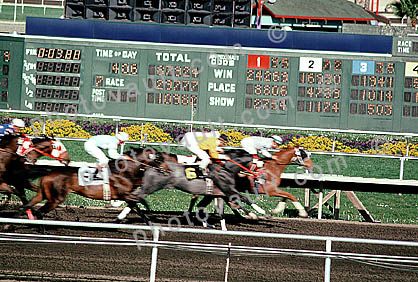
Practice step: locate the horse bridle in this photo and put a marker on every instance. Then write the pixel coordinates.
(299, 159)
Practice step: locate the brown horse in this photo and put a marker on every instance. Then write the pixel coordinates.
(273, 171)
(126, 175)
(10, 164)
(14, 173)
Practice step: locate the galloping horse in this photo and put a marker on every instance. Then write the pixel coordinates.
(14, 153)
(126, 175)
(175, 177)
(11, 168)
(270, 175)
(273, 170)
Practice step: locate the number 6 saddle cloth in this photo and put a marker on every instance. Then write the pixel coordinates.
(193, 172)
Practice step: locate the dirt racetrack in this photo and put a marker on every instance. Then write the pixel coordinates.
(21, 261)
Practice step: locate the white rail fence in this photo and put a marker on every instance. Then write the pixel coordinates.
(409, 263)
(43, 116)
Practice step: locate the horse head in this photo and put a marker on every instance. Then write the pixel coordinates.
(10, 142)
(296, 155)
(44, 146)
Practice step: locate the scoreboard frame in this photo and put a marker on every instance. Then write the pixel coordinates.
(318, 89)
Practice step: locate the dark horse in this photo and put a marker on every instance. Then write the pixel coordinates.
(266, 180)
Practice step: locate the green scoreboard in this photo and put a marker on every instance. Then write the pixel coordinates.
(207, 83)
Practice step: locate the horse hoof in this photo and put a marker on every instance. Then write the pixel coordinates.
(252, 216)
(258, 209)
(116, 203)
(207, 225)
(303, 214)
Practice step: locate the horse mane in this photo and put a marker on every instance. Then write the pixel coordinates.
(134, 151)
(38, 140)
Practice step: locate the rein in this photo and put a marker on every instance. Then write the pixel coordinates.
(43, 153)
(147, 165)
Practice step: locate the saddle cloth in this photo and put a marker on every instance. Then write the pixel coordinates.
(89, 176)
(193, 171)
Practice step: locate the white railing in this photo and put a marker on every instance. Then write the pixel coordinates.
(155, 243)
(34, 3)
(117, 119)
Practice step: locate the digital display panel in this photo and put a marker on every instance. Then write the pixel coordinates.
(372, 93)
(267, 83)
(410, 93)
(115, 78)
(319, 86)
(211, 83)
(52, 74)
(60, 54)
(172, 80)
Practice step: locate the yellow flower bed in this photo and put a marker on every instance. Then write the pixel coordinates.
(234, 137)
(152, 133)
(321, 143)
(58, 128)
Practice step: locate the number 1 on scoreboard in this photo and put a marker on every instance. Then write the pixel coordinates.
(258, 62)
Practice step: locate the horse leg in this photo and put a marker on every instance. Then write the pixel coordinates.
(226, 183)
(282, 204)
(35, 200)
(201, 213)
(193, 203)
(140, 212)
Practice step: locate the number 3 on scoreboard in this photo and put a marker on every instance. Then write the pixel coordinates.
(310, 64)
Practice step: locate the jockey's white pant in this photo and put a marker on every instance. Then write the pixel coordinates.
(101, 159)
(190, 142)
(96, 152)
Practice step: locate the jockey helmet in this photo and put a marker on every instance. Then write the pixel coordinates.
(18, 122)
(277, 139)
(122, 136)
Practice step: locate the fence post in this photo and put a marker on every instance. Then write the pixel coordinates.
(43, 123)
(228, 256)
(333, 144)
(327, 275)
(401, 168)
(154, 255)
(15, 11)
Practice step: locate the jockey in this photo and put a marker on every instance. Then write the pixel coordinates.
(205, 145)
(13, 128)
(256, 145)
(94, 146)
